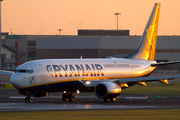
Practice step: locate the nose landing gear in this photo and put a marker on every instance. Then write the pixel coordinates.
(68, 96)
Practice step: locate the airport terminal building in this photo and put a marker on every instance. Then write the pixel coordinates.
(23, 48)
(100, 47)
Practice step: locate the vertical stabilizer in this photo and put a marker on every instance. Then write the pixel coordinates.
(147, 45)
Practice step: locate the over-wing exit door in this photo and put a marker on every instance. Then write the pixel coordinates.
(44, 72)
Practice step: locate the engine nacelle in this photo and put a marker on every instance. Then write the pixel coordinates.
(107, 90)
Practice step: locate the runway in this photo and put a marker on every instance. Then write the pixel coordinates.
(11, 101)
(53, 107)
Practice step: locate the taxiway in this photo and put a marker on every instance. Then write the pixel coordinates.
(10, 100)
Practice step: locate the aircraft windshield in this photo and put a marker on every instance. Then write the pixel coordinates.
(24, 71)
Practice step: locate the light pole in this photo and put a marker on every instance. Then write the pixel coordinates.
(0, 34)
(117, 18)
(60, 30)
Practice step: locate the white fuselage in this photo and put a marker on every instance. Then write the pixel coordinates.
(52, 71)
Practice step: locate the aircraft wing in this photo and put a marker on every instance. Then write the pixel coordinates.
(146, 79)
(9, 73)
(162, 79)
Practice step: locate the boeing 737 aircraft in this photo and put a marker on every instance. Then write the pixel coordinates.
(105, 77)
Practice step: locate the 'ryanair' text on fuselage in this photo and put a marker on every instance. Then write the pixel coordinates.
(83, 69)
(76, 70)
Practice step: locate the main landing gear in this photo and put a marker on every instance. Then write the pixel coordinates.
(28, 100)
(68, 96)
(109, 99)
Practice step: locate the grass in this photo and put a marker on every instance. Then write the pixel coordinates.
(145, 114)
(7, 88)
(155, 88)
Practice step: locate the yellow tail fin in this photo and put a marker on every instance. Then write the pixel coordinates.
(147, 45)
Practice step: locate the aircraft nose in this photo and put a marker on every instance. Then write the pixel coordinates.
(16, 80)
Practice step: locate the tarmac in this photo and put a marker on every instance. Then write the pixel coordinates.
(11, 101)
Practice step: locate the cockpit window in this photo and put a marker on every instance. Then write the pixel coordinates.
(30, 71)
(24, 71)
(16, 71)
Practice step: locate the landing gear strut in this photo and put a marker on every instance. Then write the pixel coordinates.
(106, 99)
(28, 100)
(109, 99)
(113, 99)
(68, 96)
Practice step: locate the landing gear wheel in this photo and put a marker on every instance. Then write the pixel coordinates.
(71, 97)
(113, 99)
(65, 97)
(28, 100)
(106, 99)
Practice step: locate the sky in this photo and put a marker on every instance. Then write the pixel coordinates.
(45, 17)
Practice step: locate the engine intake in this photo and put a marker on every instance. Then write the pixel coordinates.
(107, 89)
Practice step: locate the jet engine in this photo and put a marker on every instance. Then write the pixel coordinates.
(107, 90)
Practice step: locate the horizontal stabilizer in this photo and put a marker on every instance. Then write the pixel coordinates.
(165, 63)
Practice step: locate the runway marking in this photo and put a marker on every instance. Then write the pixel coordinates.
(128, 98)
(136, 98)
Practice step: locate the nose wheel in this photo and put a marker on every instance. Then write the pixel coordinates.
(28, 100)
(68, 96)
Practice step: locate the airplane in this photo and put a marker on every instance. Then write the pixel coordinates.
(106, 77)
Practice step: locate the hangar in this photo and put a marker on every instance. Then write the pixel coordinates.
(31, 47)
(103, 46)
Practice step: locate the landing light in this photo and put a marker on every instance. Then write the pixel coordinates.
(78, 91)
(117, 90)
(64, 91)
(88, 82)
